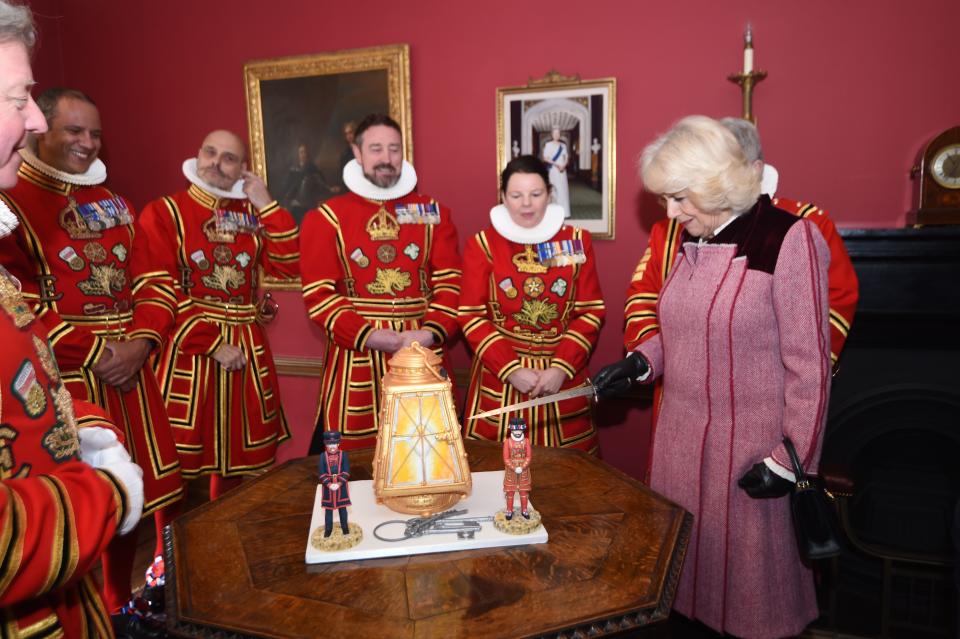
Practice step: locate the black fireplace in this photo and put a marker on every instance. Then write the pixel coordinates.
(894, 426)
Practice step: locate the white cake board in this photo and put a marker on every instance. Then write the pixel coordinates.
(486, 499)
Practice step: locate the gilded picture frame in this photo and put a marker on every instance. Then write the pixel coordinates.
(300, 110)
(582, 161)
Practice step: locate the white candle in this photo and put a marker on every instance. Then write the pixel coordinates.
(748, 50)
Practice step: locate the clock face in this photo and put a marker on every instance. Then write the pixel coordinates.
(945, 167)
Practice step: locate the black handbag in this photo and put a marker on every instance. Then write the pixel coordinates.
(815, 522)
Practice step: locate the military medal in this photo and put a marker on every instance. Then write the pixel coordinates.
(414, 213)
(232, 222)
(105, 214)
(533, 286)
(95, 251)
(222, 254)
(28, 390)
(362, 260)
(69, 255)
(506, 285)
(386, 253)
(200, 259)
(561, 252)
(412, 251)
(559, 287)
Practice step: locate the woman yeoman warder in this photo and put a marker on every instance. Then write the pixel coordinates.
(531, 309)
(744, 353)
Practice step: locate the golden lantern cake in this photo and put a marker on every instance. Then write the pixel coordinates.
(420, 465)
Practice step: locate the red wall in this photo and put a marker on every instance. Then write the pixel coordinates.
(855, 90)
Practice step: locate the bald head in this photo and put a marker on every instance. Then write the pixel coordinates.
(221, 159)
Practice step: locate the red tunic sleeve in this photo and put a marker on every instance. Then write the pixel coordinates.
(281, 255)
(647, 280)
(154, 297)
(54, 527)
(844, 287)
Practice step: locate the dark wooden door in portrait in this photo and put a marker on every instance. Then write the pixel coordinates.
(235, 567)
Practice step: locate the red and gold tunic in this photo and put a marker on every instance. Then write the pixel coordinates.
(518, 313)
(664, 246)
(370, 265)
(87, 268)
(517, 454)
(57, 514)
(228, 423)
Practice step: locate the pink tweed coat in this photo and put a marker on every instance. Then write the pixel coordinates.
(744, 351)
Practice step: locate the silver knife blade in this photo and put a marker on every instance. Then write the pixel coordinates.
(579, 391)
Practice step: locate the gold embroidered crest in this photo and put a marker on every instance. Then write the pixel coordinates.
(73, 223)
(7, 462)
(389, 281)
(224, 278)
(46, 358)
(526, 261)
(63, 404)
(536, 313)
(215, 233)
(61, 442)
(105, 279)
(12, 301)
(383, 226)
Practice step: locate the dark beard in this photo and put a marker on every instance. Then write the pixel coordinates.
(385, 181)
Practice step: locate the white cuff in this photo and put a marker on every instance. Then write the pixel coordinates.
(100, 448)
(779, 470)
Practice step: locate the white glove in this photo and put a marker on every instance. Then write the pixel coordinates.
(100, 448)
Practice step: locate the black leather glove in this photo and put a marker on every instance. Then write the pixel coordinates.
(616, 379)
(762, 483)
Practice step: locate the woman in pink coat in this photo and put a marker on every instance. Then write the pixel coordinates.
(744, 353)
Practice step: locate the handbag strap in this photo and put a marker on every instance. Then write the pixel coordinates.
(794, 459)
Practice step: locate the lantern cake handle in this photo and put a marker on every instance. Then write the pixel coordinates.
(423, 351)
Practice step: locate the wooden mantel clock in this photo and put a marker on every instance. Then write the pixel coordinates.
(937, 180)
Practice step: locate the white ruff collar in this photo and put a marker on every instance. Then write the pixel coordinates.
(551, 223)
(769, 179)
(190, 172)
(96, 174)
(357, 182)
(8, 221)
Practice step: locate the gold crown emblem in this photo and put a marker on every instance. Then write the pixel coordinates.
(383, 226)
(215, 233)
(527, 262)
(73, 223)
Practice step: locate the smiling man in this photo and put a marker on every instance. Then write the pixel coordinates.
(86, 268)
(380, 270)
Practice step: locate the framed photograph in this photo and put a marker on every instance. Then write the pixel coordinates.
(301, 113)
(571, 125)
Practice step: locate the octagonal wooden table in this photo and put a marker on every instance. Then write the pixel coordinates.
(235, 567)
